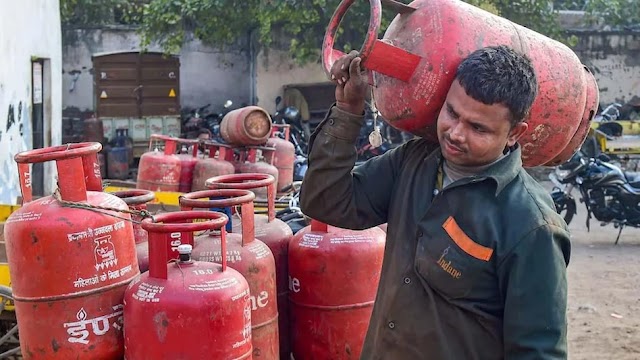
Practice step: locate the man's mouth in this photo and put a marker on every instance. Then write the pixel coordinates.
(453, 147)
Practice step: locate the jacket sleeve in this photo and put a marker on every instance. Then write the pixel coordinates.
(333, 191)
(533, 282)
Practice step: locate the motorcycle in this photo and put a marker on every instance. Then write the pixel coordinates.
(299, 132)
(202, 123)
(213, 120)
(610, 194)
(193, 122)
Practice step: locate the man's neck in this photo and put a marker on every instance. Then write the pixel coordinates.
(453, 172)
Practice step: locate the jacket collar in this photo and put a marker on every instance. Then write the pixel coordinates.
(505, 170)
(502, 172)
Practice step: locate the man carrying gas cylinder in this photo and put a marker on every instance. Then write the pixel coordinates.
(476, 256)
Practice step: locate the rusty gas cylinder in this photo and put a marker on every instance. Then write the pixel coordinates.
(160, 170)
(415, 64)
(93, 129)
(593, 100)
(250, 125)
(333, 279)
(284, 155)
(250, 256)
(137, 200)
(188, 155)
(252, 160)
(69, 265)
(186, 309)
(213, 165)
(276, 234)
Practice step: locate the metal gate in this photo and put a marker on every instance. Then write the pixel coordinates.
(139, 92)
(136, 84)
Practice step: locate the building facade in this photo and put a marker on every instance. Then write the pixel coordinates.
(30, 90)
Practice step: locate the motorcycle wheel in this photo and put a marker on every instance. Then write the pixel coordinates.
(566, 208)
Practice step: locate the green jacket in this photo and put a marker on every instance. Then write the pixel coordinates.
(477, 271)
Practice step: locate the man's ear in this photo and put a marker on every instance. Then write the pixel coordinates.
(516, 133)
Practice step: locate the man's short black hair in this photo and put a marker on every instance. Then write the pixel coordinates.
(500, 75)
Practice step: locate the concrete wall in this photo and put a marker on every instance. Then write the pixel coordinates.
(274, 69)
(28, 29)
(615, 59)
(206, 75)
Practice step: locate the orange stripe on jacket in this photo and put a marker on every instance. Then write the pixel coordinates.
(466, 243)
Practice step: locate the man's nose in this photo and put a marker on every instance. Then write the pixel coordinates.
(457, 132)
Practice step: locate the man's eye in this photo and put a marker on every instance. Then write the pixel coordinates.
(450, 112)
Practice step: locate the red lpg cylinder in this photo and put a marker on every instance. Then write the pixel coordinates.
(415, 64)
(91, 167)
(593, 100)
(188, 160)
(231, 154)
(250, 125)
(211, 166)
(284, 155)
(187, 309)
(250, 162)
(102, 161)
(273, 232)
(333, 279)
(251, 257)
(160, 171)
(137, 200)
(69, 266)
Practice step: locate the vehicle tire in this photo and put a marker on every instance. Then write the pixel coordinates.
(566, 207)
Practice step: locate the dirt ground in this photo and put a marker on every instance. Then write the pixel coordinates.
(604, 291)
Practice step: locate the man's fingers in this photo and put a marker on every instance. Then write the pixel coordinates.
(354, 68)
(337, 72)
(348, 63)
(340, 69)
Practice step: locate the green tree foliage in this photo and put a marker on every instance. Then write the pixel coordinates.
(221, 23)
(620, 13)
(615, 13)
(100, 12)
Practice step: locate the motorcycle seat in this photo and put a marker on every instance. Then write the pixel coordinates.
(632, 176)
(633, 186)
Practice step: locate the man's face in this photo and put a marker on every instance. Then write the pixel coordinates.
(472, 133)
